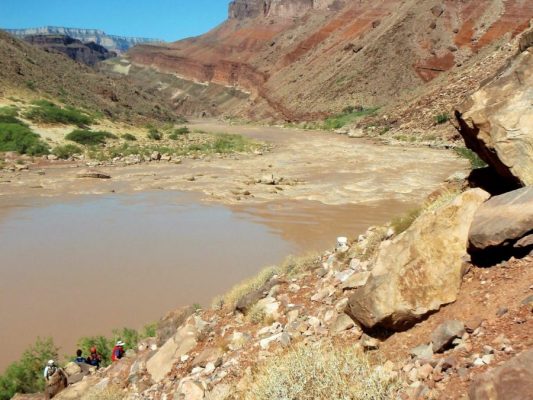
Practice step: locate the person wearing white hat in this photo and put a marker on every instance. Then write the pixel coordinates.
(50, 369)
(118, 351)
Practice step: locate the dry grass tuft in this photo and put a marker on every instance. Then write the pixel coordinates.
(292, 266)
(230, 299)
(323, 371)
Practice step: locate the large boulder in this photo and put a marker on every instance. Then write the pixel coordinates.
(420, 270)
(504, 220)
(512, 381)
(178, 345)
(169, 324)
(497, 121)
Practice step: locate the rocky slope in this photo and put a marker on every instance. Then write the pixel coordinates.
(31, 72)
(302, 59)
(87, 53)
(114, 43)
(442, 306)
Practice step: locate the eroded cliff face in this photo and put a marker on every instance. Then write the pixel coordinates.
(302, 59)
(241, 9)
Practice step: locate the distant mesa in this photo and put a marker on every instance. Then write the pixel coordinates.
(118, 44)
(86, 53)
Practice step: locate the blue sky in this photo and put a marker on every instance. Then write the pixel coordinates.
(162, 19)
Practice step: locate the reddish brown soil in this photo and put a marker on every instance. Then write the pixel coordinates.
(485, 291)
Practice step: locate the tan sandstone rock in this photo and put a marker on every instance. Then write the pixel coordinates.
(178, 345)
(503, 220)
(497, 122)
(420, 270)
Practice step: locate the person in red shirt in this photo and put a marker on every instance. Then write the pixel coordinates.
(118, 351)
(94, 358)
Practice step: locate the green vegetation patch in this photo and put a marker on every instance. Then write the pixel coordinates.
(129, 137)
(87, 137)
(26, 375)
(66, 151)
(154, 134)
(442, 118)
(47, 112)
(17, 136)
(348, 115)
(225, 143)
(403, 222)
(475, 161)
(104, 345)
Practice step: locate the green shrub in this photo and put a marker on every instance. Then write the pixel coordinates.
(322, 371)
(9, 111)
(103, 345)
(228, 143)
(149, 330)
(129, 137)
(154, 134)
(182, 131)
(348, 115)
(19, 137)
(475, 161)
(87, 137)
(26, 375)
(47, 112)
(30, 85)
(66, 151)
(442, 118)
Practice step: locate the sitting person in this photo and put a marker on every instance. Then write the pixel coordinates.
(79, 359)
(94, 358)
(118, 351)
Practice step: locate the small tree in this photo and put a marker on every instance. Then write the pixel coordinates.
(26, 375)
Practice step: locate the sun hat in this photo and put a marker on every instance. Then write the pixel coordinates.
(120, 343)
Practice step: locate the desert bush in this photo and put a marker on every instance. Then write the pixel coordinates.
(66, 151)
(129, 137)
(403, 222)
(475, 161)
(154, 134)
(349, 114)
(149, 330)
(20, 138)
(322, 371)
(26, 375)
(442, 118)
(256, 314)
(231, 298)
(103, 345)
(229, 143)
(87, 137)
(293, 266)
(444, 197)
(9, 115)
(48, 112)
(182, 131)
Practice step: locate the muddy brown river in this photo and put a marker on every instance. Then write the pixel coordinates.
(81, 257)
